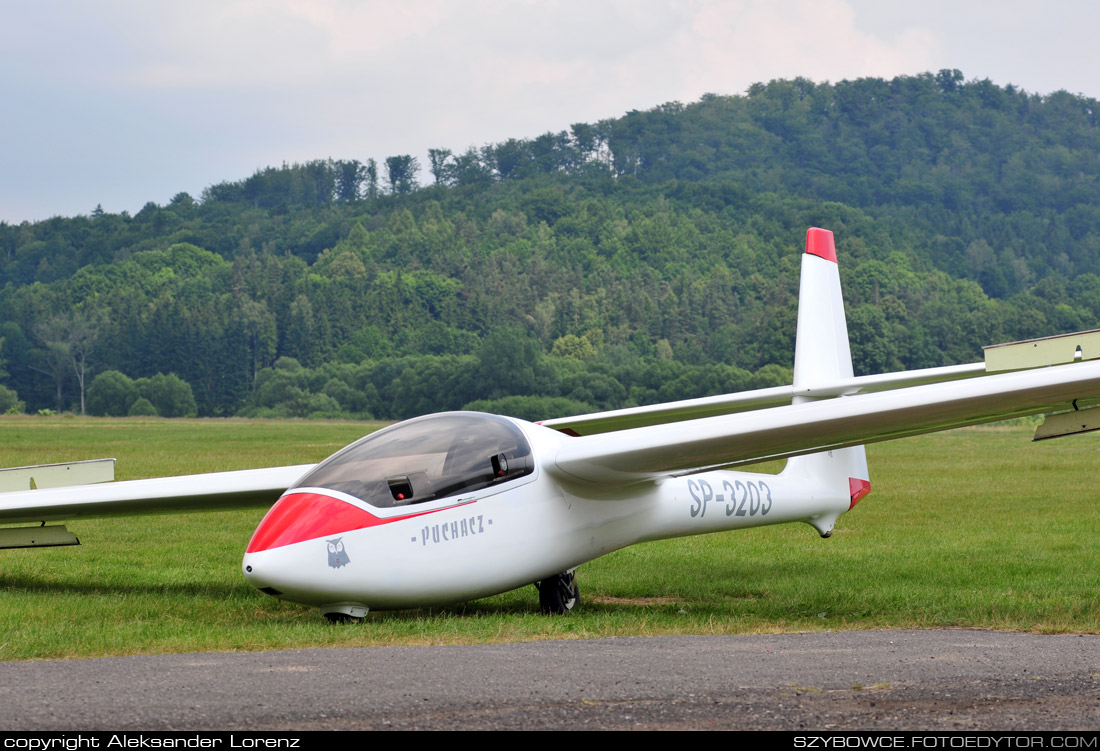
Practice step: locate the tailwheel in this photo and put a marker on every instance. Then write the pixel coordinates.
(559, 593)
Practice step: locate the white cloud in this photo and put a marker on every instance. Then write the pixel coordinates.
(126, 101)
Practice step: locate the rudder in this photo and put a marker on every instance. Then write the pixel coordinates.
(822, 355)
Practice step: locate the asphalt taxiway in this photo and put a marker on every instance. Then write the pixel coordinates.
(890, 680)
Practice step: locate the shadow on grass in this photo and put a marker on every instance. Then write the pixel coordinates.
(471, 610)
(595, 607)
(673, 602)
(516, 603)
(31, 585)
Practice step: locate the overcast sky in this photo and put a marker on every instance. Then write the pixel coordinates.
(120, 102)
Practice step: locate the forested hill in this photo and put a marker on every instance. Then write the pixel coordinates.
(648, 257)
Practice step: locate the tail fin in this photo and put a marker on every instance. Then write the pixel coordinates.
(822, 355)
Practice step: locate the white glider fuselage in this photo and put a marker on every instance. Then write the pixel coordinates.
(525, 529)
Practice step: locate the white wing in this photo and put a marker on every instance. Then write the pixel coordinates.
(248, 488)
(728, 404)
(812, 427)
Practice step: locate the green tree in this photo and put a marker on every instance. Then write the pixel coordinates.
(54, 360)
(299, 335)
(510, 363)
(349, 177)
(531, 408)
(142, 407)
(469, 169)
(253, 335)
(573, 346)
(440, 169)
(370, 175)
(170, 395)
(111, 393)
(9, 402)
(401, 174)
(69, 338)
(874, 348)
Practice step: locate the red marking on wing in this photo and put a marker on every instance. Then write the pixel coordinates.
(306, 516)
(819, 242)
(859, 488)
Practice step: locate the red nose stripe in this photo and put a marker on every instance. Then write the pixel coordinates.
(307, 516)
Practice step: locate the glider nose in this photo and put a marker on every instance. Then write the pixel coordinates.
(279, 563)
(262, 583)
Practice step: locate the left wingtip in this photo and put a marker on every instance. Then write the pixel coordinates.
(819, 242)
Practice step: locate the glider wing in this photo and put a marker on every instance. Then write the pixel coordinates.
(810, 427)
(247, 488)
(728, 404)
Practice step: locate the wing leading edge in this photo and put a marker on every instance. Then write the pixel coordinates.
(248, 488)
(778, 432)
(776, 396)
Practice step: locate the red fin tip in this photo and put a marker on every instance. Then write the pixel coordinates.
(819, 242)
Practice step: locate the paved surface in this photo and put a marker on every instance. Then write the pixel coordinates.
(948, 680)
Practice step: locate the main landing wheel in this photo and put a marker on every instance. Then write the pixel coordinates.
(559, 594)
(344, 612)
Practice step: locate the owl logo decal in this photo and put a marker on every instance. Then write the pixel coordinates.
(337, 556)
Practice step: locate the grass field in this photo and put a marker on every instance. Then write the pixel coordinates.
(975, 528)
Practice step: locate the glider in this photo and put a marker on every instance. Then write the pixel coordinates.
(461, 505)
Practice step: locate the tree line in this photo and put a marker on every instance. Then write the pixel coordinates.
(642, 258)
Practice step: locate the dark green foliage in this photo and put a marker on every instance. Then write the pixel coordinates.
(170, 395)
(510, 363)
(401, 173)
(531, 408)
(646, 258)
(142, 407)
(112, 393)
(10, 403)
(873, 342)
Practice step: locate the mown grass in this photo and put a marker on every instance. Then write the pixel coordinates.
(972, 528)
